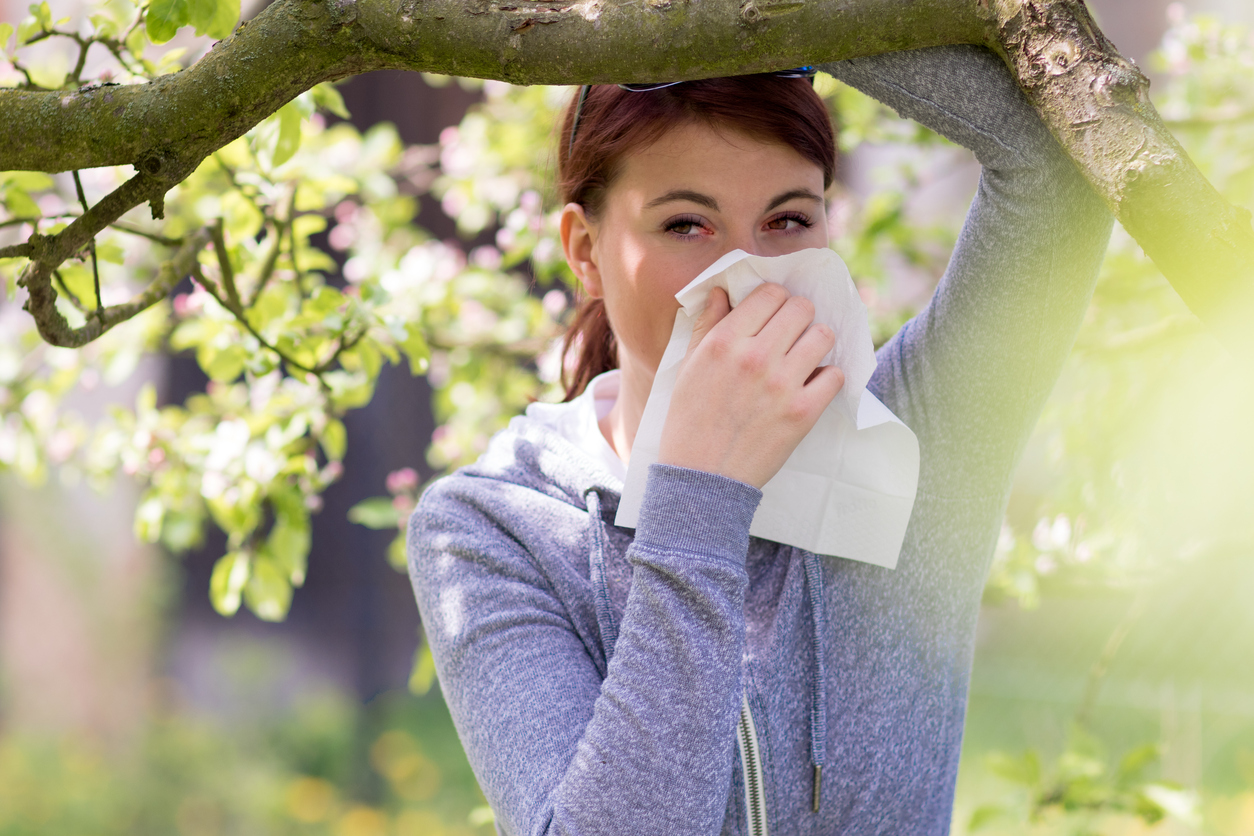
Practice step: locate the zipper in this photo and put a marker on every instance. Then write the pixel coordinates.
(751, 761)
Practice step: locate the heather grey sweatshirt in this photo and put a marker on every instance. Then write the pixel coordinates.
(596, 674)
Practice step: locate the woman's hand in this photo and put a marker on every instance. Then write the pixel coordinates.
(750, 386)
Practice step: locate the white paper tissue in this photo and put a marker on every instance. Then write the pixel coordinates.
(848, 488)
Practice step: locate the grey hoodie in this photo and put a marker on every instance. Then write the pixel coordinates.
(596, 675)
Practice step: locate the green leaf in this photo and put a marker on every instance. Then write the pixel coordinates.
(1025, 769)
(6, 32)
(423, 675)
(180, 532)
(416, 350)
(329, 99)
(308, 224)
(78, 280)
(148, 517)
(288, 544)
(349, 390)
(398, 555)
(289, 134)
(26, 30)
(222, 365)
(165, 17)
(378, 512)
(324, 301)
(135, 42)
(20, 204)
(1177, 802)
(230, 574)
(365, 356)
(984, 815)
(268, 593)
(334, 440)
(103, 26)
(215, 18)
(110, 252)
(42, 13)
(1135, 761)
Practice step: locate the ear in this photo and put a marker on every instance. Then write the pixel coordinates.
(579, 237)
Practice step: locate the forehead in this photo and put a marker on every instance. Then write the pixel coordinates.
(716, 160)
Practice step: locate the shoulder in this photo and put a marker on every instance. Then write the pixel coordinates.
(518, 511)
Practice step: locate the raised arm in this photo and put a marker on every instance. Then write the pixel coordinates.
(557, 750)
(970, 373)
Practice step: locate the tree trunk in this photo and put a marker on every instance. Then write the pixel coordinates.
(1093, 100)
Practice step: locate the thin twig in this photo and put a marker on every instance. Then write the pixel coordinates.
(230, 174)
(91, 246)
(272, 260)
(84, 44)
(19, 221)
(1100, 668)
(1209, 121)
(30, 82)
(121, 226)
(224, 265)
(66, 292)
(342, 345)
(243, 320)
(24, 250)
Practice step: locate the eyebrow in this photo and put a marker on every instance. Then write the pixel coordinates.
(804, 194)
(710, 203)
(684, 194)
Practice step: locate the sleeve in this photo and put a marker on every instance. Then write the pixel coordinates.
(971, 372)
(556, 749)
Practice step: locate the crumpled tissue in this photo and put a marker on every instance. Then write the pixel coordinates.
(848, 488)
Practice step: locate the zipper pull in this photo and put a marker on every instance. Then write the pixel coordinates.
(818, 786)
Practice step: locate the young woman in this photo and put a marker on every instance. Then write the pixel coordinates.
(685, 678)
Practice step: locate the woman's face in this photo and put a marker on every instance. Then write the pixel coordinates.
(674, 209)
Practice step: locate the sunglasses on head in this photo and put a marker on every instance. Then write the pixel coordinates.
(796, 72)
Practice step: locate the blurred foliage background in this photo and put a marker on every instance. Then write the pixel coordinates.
(1113, 691)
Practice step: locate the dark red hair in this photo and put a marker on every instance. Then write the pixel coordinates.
(615, 122)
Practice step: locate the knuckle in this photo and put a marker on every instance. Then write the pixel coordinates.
(774, 292)
(777, 384)
(752, 362)
(803, 306)
(718, 344)
(796, 413)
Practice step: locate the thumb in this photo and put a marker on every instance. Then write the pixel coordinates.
(717, 306)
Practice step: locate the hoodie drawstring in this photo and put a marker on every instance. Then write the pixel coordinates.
(600, 585)
(818, 681)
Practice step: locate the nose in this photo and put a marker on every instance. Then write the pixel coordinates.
(744, 240)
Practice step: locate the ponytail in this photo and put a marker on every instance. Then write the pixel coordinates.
(590, 337)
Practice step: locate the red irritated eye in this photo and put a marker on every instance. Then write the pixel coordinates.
(685, 226)
(789, 222)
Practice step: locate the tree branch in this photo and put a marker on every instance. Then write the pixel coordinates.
(294, 44)
(175, 121)
(54, 328)
(1096, 103)
(17, 250)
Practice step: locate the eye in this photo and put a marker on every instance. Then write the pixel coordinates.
(685, 226)
(790, 222)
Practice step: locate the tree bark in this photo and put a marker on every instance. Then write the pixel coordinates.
(1094, 101)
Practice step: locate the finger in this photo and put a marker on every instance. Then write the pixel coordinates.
(809, 349)
(717, 307)
(762, 303)
(822, 387)
(788, 325)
